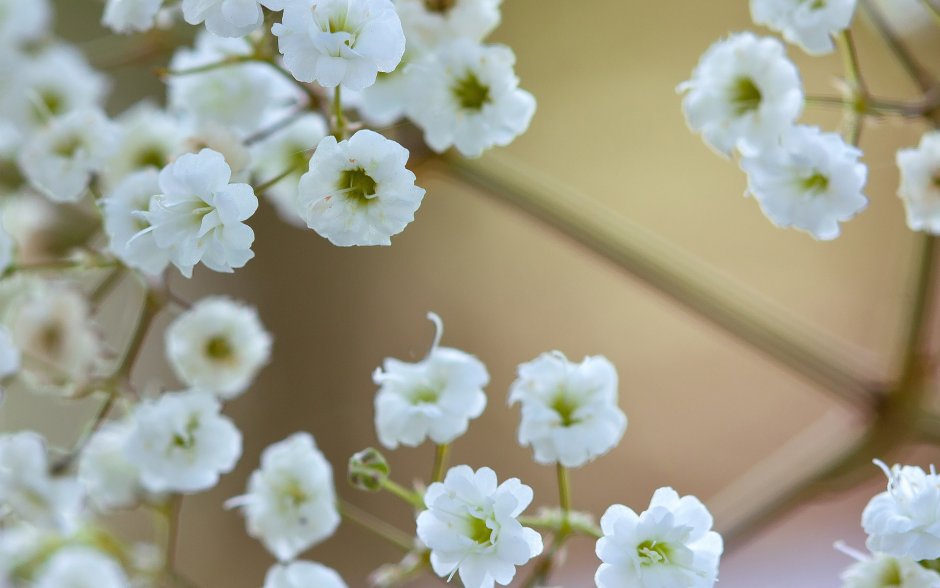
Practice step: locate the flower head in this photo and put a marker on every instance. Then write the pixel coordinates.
(150, 138)
(302, 574)
(887, 571)
(904, 521)
(28, 488)
(124, 210)
(809, 24)
(127, 16)
(110, 479)
(429, 23)
(920, 183)
(80, 567)
(228, 18)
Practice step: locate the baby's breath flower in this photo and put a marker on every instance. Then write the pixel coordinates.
(904, 521)
(110, 479)
(303, 574)
(127, 16)
(80, 567)
(429, 23)
(920, 183)
(809, 24)
(124, 210)
(29, 490)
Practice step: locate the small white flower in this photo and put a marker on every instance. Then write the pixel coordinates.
(199, 217)
(23, 21)
(471, 527)
(218, 345)
(61, 159)
(434, 398)
(467, 95)
(340, 42)
(387, 100)
(569, 411)
(428, 23)
(811, 181)
(358, 191)
(744, 93)
(904, 521)
(28, 489)
(80, 567)
(149, 138)
(228, 18)
(110, 479)
(809, 24)
(670, 545)
(182, 443)
(124, 211)
(886, 571)
(920, 183)
(218, 137)
(290, 504)
(127, 16)
(302, 574)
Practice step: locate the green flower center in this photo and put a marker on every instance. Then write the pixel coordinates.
(653, 552)
(815, 184)
(565, 407)
(68, 146)
(50, 104)
(187, 439)
(425, 395)
(357, 185)
(745, 95)
(152, 156)
(470, 93)
(478, 531)
(219, 349)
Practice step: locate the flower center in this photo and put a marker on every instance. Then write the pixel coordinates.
(49, 104)
(652, 552)
(424, 395)
(815, 184)
(745, 95)
(68, 146)
(815, 4)
(187, 439)
(565, 407)
(357, 185)
(152, 156)
(441, 6)
(293, 494)
(470, 93)
(51, 339)
(219, 349)
(478, 531)
(936, 180)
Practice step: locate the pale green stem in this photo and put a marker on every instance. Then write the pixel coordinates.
(440, 462)
(410, 496)
(339, 120)
(375, 525)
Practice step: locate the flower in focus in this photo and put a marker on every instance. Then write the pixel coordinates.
(471, 527)
(290, 504)
(182, 443)
(920, 183)
(467, 95)
(198, 215)
(744, 93)
(807, 24)
(671, 544)
(904, 521)
(128, 16)
(130, 237)
(811, 181)
(80, 567)
(218, 345)
(358, 191)
(887, 571)
(429, 23)
(29, 490)
(111, 481)
(302, 574)
(434, 398)
(569, 411)
(340, 42)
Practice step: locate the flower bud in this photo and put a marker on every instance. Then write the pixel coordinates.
(368, 470)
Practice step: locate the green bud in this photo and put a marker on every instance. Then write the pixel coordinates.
(368, 470)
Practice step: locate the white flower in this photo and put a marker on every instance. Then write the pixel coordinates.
(127, 16)
(811, 181)
(920, 183)
(181, 443)
(358, 191)
(149, 138)
(467, 95)
(124, 222)
(10, 357)
(886, 571)
(218, 137)
(744, 93)
(471, 527)
(290, 503)
(218, 345)
(809, 24)
(228, 18)
(61, 159)
(340, 42)
(670, 545)
(433, 398)
(569, 411)
(904, 521)
(80, 567)
(386, 101)
(28, 489)
(23, 21)
(198, 215)
(110, 479)
(289, 148)
(428, 23)
(302, 574)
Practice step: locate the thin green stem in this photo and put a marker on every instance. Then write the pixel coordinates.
(225, 62)
(440, 462)
(265, 186)
(410, 496)
(375, 525)
(151, 309)
(339, 120)
(564, 489)
(104, 288)
(853, 71)
(101, 415)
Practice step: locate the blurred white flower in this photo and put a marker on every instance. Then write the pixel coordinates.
(149, 138)
(744, 93)
(904, 521)
(811, 181)
(182, 443)
(428, 23)
(670, 545)
(471, 527)
(430, 399)
(920, 183)
(23, 21)
(386, 101)
(218, 345)
(10, 357)
(302, 574)
(467, 95)
(228, 18)
(29, 490)
(130, 237)
(128, 16)
(61, 159)
(569, 411)
(340, 42)
(80, 567)
(358, 191)
(199, 217)
(220, 138)
(886, 571)
(290, 504)
(111, 481)
(807, 24)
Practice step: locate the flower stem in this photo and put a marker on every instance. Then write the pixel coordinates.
(375, 525)
(564, 490)
(410, 496)
(339, 121)
(263, 187)
(440, 462)
(225, 62)
(856, 109)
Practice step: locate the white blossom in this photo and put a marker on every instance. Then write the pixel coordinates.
(886, 571)
(920, 183)
(467, 95)
(290, 504)
(744, 93)
(904, 521)
(80, 567)
(220, 138)
(182, 443)
(670, 545)
(811, 181)
(434, 398)
(218, 345)
(302, 574)
(471, 527)
(149, 138)
(340, 42)
(386, 101)
(199, 217)
(809, 24)
(228, 18)
(127, 16)
(28, 488)
(429, 23)
(569, 411)
(111, 481)
(23, 21)
(124, 211)
(358, 191)
(61, 159)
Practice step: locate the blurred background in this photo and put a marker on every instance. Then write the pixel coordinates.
(709, 415)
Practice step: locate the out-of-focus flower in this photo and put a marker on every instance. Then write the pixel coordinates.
(303, 574)
(904, 521)
(920, 183)
(807, 24)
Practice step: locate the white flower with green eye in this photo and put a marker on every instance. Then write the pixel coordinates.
(886, 571)
(807, 23)
(150, 138)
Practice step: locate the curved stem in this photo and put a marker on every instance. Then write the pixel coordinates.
(410, 496)
(264, 186)
(375, 525)
(440, 462)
